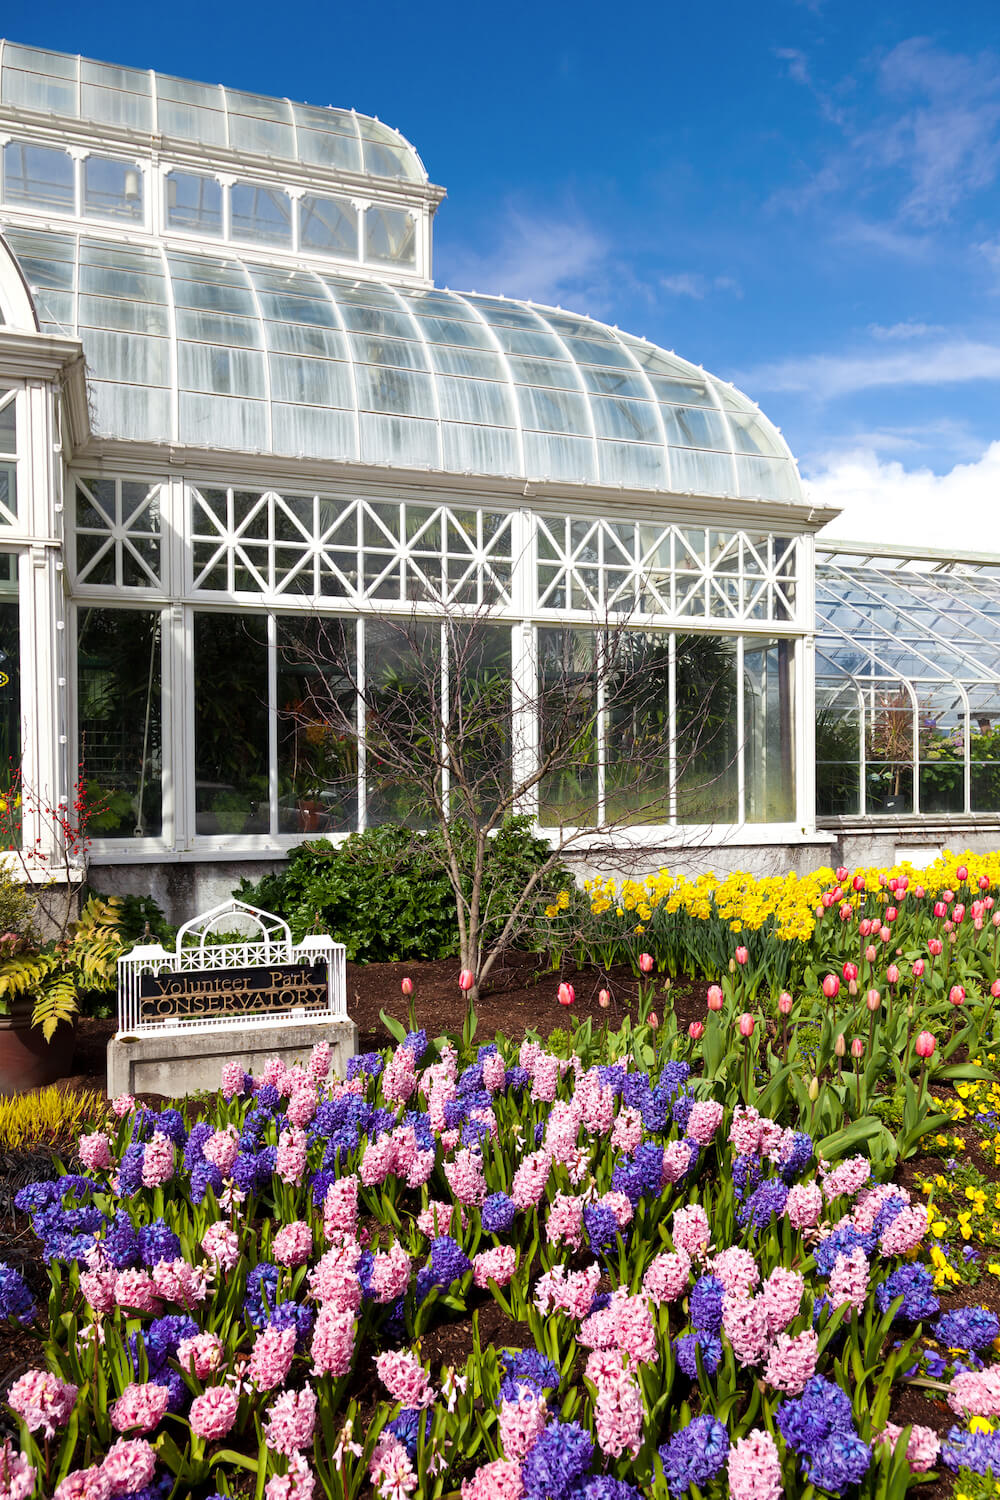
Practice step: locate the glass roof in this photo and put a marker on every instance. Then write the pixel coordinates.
(932, 623)
(227, 352)
(56, 83)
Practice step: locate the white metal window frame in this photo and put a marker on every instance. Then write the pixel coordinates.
(79, 155)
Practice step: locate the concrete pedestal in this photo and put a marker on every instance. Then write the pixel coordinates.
(178, 1062)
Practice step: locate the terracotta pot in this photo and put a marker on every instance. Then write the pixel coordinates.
(27, 1060)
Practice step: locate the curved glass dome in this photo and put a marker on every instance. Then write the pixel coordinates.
(225, 352)
(56, 83)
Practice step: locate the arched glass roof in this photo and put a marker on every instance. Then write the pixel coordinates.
(224, 352)
(56, 83)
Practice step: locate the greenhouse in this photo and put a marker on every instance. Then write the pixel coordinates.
(236, 414)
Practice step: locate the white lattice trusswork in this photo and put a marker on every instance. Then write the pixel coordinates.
(118, 533)
(690, 572)
(336, 547)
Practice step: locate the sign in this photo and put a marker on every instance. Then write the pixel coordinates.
(233, 992)
(204, 985)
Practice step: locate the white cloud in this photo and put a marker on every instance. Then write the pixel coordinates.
(694, 284)
(896, 331)
(826, 376)
(885, 502)
(542, 258)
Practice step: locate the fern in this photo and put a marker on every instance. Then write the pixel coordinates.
(55, 974)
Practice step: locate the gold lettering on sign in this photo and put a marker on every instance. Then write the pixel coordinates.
(205, 994)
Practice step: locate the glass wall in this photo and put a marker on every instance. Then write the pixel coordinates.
(120, 721)
(768, 731)
(10, 704)
(231, 731)
(707, 731)
(316, 705)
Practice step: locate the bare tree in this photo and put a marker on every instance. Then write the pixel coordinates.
(457, 738)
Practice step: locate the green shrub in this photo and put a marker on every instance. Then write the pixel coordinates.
(384, 893)
(17, 906)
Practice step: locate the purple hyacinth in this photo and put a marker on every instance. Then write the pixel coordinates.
(694, 1455)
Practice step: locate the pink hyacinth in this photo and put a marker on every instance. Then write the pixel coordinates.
(667, 1277)
(333, 1281)
(976, 1393)
(436, 1218)
(618, 1409)
(736, 1269)
(95, 1152)
(42, 1401)
(619, 1206)
(213, 1413)
(906, 1232)
(744, 1130)
(129, 1465)
(98, 1288)
(340, 1206)
(399, 1080)
(233, 1080)
(676, 1161)
(922, 1449)
(744, 1322)
(158, 1160)
(332, 1346)
(564, 1221)
(754, 1467)
(498, 1480)
(390, 1273)
(222, 1148)
(849, 1280)
(528, 1055)
(81, 1484)
(848, 1178)
(866, 1210)
(562, 1130)
(135, 1288)
(804, 1205)
(17, 1476)
(177, 1281)
(791, 1361)
(782, 1298)
(319, 1061)
(530, 1180)
(494, 1072)
(221, 1244)
(140, 1407)
(292, 1245)
(405, 1378)
(465, 1177)
(571, 1293)
(290, 1162)
(704, 1120)
(690, 1230)
(301, 1106)
(522, 1422)
(299, 1483)
(201, 1353)
(271, 1359)
(291, 1422)
(390, 1469)
(122, 1106)
(627, 1130)
(497, 1265)
(545, 1078)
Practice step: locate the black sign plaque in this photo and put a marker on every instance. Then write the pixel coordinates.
(221, 994)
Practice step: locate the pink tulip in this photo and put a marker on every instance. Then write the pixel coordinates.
(696, 1030)
(924, 1044)
(882, 881)
(466, 980)
(850, 972)
(603, 999)
(742, 955)
(891, 914)
(949, 926)
(873, 1000)
(977, 923)
(995, 989)
(940, 909)
(566, 994)
(858, 882)
(962, 873)
(785, 1003)
(956, 995)
(819, 913)
(831, 986)
(715, 1000)
(839, 1046)
(984, 883)
(935, 947)
(918, 968)
(892, 973)
(653, 1020)
(827, 899)
(948, 896)
(865, 926)
(842, 873)
(958, 912)
(919, 892)
(646, 962)
(857, 1047)
(407, 986)
(995, 919)
(885, 933)
(746, 1023)
(871, 953)
(846, 911)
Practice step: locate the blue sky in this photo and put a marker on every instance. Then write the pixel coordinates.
(801, 195)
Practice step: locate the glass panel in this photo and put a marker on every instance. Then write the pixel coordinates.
(390, 236)
(259, 213)
(889, 786)
(889, 750)
(329, 225)
(480, 737)
(567, 713)
(637, 779)
(942, 751)
(112, 189)
(402, 677)
(38, 176)
(8, 455)
(768, 728)
(707, 747)
(317, 746)
(120, 726)
(230, 724)
(10, 701)
(838, 752)
(194, 202)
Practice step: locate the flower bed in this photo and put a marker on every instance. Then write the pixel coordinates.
(697, 1299)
